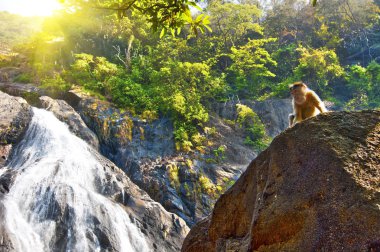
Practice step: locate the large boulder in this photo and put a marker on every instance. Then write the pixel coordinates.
(316, 188)
(15, 115)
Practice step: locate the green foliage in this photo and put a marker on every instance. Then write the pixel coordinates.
(364, 84)
(24, 78)
(234, 23)
(128, 94)
(254, 128)
(180, 89)
(91, 72)
(55, 86)
(219, 153)
(173, 172)
(250, 72)
(318, 67)
(167, 16)
(207, 186)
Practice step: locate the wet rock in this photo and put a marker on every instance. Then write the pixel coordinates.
(164, 230)
(15, 115)
(5, 241)
(67, 114)
(29, 92)
(316, 188)
(5, 151)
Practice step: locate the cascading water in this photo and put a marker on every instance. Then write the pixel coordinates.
(55, 204)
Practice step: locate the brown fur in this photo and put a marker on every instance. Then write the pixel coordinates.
(306, 103)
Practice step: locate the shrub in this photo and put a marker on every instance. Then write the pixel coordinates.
(55, 86)
(23, 78)
(256, 135)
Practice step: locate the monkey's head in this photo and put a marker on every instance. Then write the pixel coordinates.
(298, 91)
(298, 88)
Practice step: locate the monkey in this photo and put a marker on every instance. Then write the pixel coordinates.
(306, 103)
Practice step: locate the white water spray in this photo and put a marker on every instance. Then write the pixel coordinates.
(54, 203)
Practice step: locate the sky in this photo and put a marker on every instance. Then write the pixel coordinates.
(29, 7)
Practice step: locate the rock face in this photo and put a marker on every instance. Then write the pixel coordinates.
(273, 113)
(164, 231)
(67, 114)
(123, 136)
(316, 188)
(185, 184)
(15, 115)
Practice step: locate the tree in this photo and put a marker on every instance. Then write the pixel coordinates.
(249, 69)
(317, 67)
(167, 15)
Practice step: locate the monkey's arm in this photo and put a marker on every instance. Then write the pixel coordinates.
(318, 103)
(321, 107)
(297, 115)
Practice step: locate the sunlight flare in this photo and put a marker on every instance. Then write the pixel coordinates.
(31, 8)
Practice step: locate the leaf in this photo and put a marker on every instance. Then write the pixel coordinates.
(208, 27)
(206, 21)
(199, 18)
(163, 31)
(314, 2)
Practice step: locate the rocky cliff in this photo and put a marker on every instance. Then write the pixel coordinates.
(186, 184)
(162, 230)
(316, 188)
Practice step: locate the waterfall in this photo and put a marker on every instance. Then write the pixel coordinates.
(55, 202)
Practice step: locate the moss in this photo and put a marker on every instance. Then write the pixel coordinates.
(206, 185)
(142, 136)
(125, 130)
(187, 189)
(149, 115)
(189, 163)
(229, 122)
(32, 98)
(173, 172)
